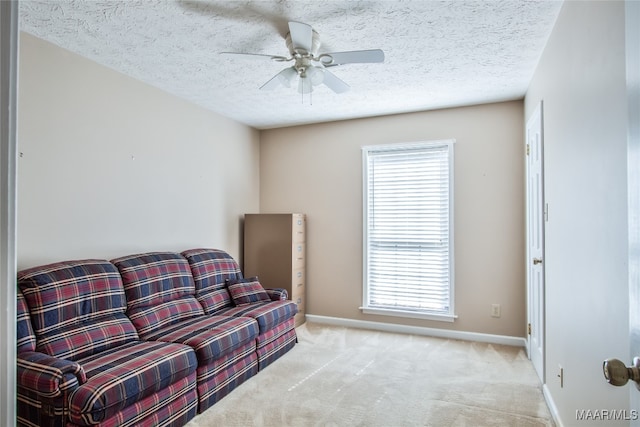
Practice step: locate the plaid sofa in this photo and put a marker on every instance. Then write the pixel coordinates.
(137, 340)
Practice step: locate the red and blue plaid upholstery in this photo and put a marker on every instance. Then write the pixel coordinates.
(77, 308)
(123, 376)
(217, 380)
(276, 342)
(211, 268)
(48, 376)
(89, 365)
(247, 291)
(173, 406)
(24, 331)
(80, 358)
(33, 410)
(162, 305)
(43, 386)
(211, 337)
(218, 342)
(160, 290)
(267, 314)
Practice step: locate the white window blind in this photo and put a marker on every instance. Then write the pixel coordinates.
(408, 230)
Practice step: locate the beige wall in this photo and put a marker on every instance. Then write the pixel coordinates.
(110, 166)
(317, 170)
(581, 80)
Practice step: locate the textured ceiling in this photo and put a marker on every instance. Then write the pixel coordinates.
(437, 53)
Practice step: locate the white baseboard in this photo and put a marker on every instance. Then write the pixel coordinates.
(551, 405)
(418, 330)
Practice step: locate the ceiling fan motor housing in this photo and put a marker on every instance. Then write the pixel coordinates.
(297, 51)
(302, 57)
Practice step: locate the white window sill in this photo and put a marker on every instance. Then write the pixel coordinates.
(411, 314)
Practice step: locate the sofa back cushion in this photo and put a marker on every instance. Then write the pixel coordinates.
(160, 290)
(211, 268)
(24, 331)
(77, 308)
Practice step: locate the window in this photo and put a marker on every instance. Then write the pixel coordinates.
(408, 232)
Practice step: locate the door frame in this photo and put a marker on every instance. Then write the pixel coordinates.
(632, 54)
(8, 201)
(535, 311)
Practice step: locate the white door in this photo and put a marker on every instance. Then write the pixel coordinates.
(535, 241)
(632, 16)
(632, 50)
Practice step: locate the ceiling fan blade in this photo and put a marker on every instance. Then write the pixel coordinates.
(334, 83)
(276, 58)
(301, 36)
(283, 78)
(357, 56)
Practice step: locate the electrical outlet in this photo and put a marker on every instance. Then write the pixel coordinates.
(495, 310)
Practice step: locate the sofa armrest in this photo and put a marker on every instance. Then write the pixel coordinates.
(46, 375)
(277, 294)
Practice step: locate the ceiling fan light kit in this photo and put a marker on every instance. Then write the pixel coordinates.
(310, 66)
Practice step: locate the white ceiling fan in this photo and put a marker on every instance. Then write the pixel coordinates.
(310, 66)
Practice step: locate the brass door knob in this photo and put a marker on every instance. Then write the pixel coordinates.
(618, 374)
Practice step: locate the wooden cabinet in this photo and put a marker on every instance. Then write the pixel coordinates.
(274, 250)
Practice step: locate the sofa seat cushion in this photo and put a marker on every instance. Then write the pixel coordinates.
(124, 375)
(211, 337)
(267, 314)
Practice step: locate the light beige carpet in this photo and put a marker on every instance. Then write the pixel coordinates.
(339, 376)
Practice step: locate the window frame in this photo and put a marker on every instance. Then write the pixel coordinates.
(398, 312)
